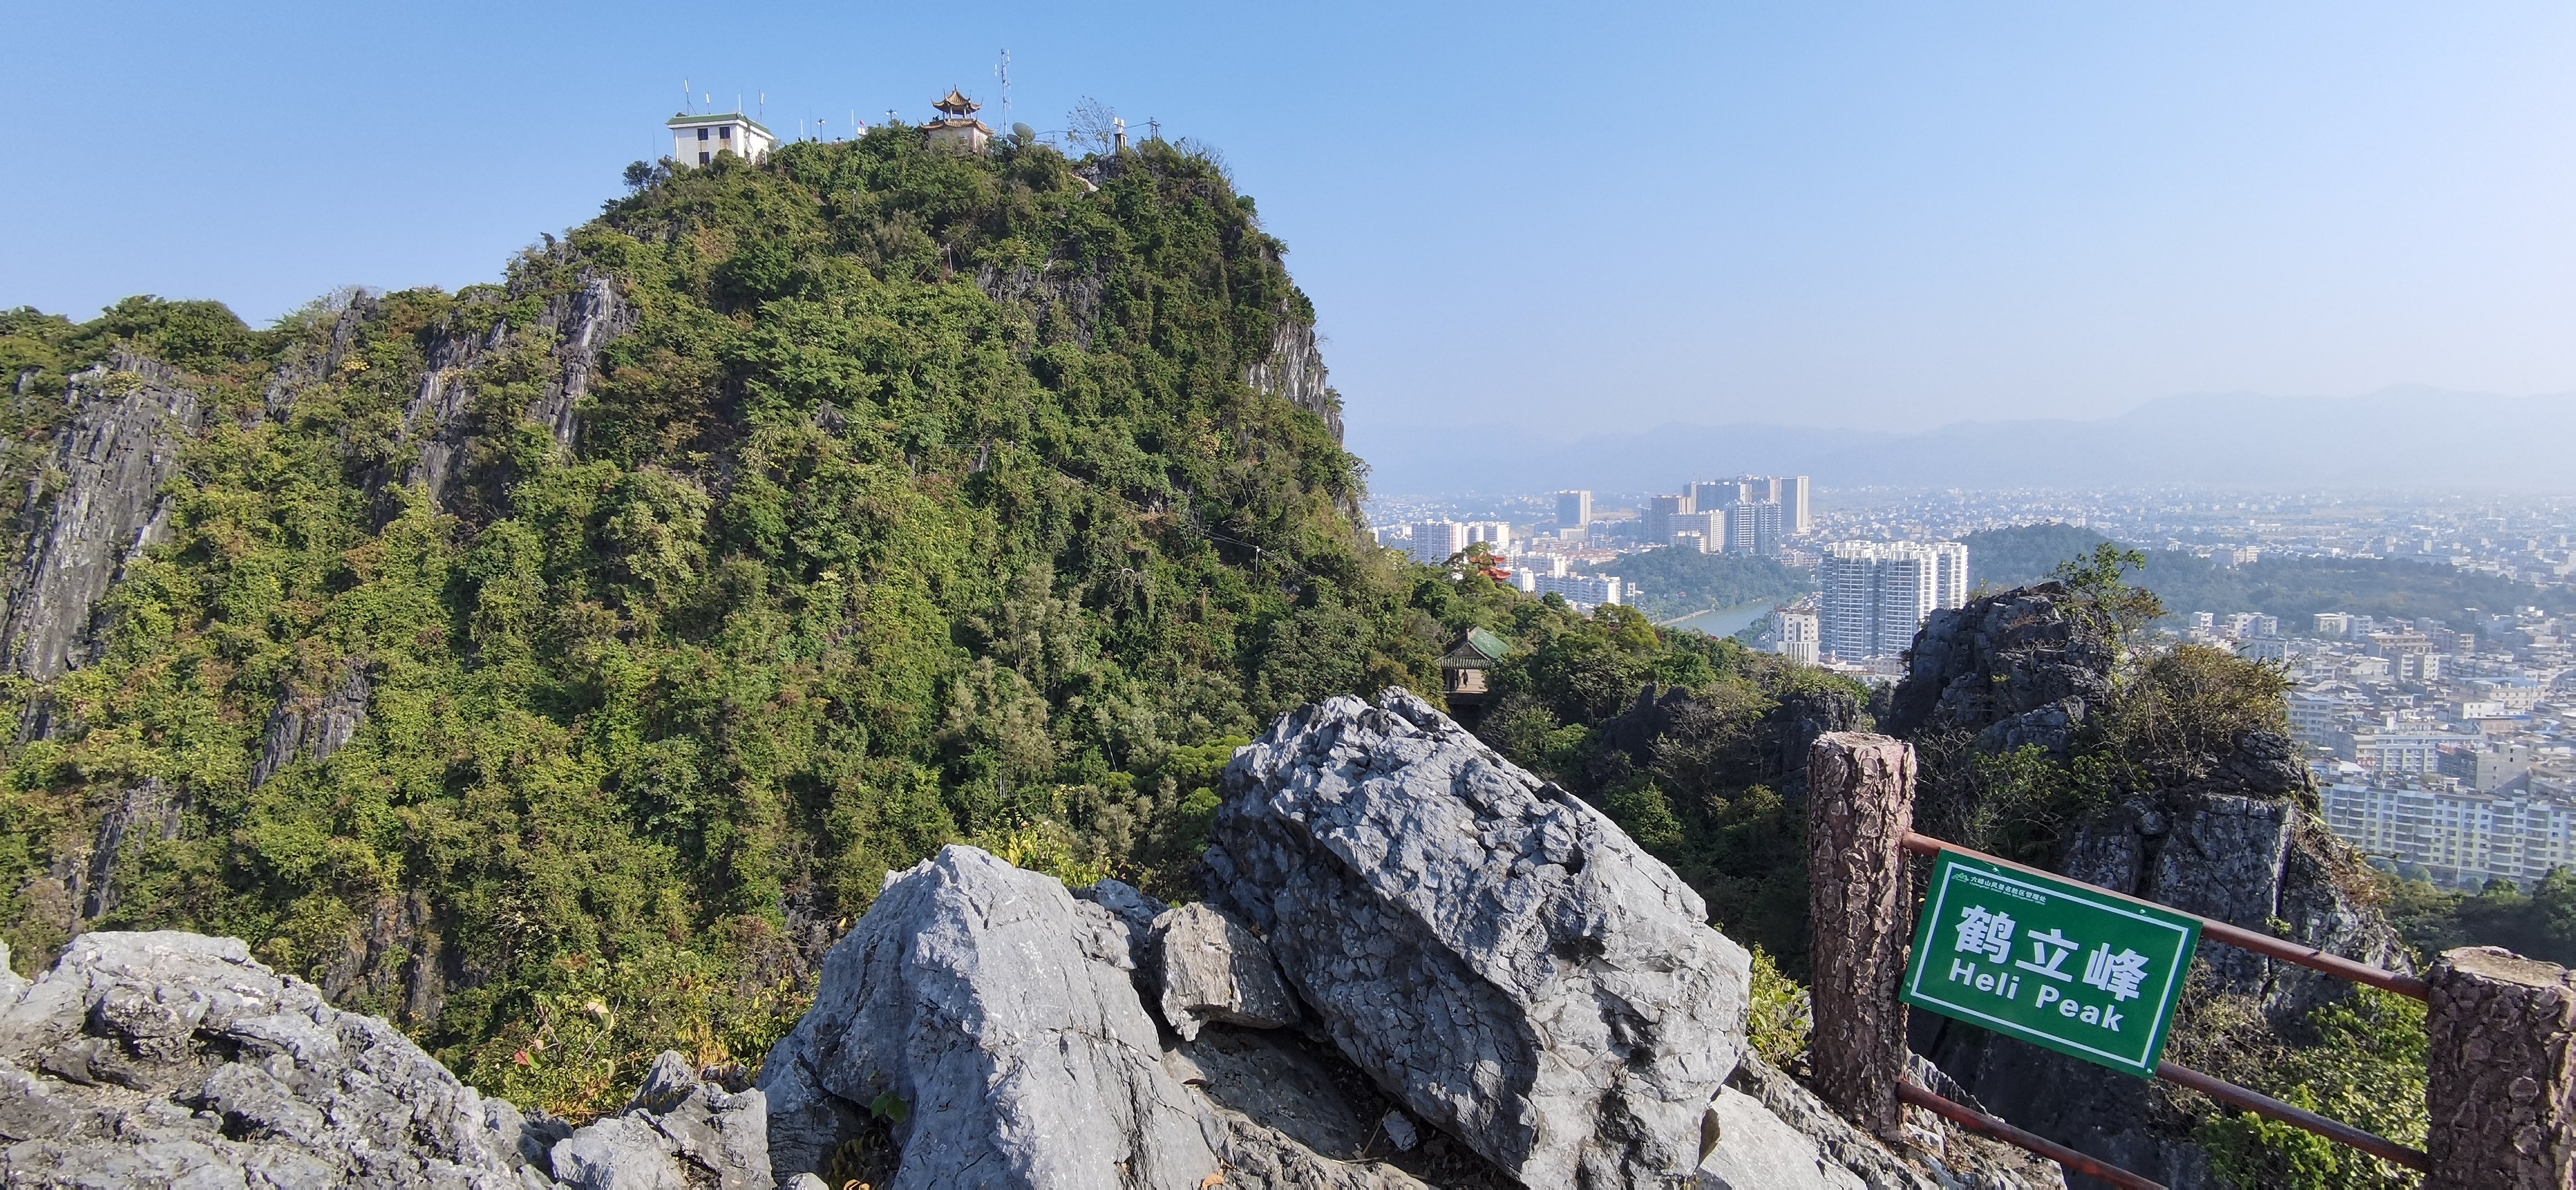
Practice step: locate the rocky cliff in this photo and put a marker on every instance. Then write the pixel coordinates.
(170, 1059)
(2230, 833)
(96, 504)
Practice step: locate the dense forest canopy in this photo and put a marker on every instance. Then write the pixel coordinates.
(1676, 582)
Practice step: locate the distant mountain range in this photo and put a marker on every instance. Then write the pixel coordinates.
(2409, 436)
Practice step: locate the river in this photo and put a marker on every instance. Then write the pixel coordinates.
(1725, 621)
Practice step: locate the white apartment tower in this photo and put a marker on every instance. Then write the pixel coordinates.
(1435, 542)
(1797, 631)
(695, 140)
(1795, 498)
(1878, 593)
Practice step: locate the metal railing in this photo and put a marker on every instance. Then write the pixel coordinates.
(2207, 1084)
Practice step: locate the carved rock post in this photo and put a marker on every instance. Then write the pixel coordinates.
(1860, 803)
(2502, 1078)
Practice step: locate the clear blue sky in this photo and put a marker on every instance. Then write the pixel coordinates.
(1557, 218)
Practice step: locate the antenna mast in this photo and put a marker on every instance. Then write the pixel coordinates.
(684, 95)
(1003, 72)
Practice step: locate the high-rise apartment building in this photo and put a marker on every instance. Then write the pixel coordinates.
(1573, 509)
(1794, 499)
(1709, 527)
(2461, 834)
(1878, 593)
(1951, 560)
(1497, 535)
(1796, 629)
(1718, 493)
(1583, 591)
(1754, 528)
(1435, 542)
(1660, 512)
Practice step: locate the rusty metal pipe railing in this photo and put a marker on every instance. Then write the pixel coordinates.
(2216, 931)
(1986, 1125)
(2264, 1105)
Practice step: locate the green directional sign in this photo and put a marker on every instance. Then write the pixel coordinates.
(2050, 961)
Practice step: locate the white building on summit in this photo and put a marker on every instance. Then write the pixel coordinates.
(695, 140)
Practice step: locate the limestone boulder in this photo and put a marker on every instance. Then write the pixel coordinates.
(989, 1020)
(679, 1131)
(1212, 969)
(157, 1059)
(1494, 952)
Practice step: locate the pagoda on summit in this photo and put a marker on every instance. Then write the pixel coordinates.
(957, 124)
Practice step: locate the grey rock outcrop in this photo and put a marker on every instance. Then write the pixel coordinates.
(311, 727)
(311, 362)
(1752, 1149)
(2228, 835)
(1062, 298)
(1275, 1117)
(1294, 371)
(2010, 669)
(679, 1132)
(173, 1059)
(999, 1013)
(1491, 950)
(1212, 969)
(145, 810)
(583, 323)
(96, 507)
(436, 421)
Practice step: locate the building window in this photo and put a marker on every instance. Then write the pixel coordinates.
(702, 134)
(702, 157)
(725, 133)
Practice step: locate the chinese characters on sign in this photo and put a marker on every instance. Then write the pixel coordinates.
(2050, 961)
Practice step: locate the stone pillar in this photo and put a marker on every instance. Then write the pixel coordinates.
(2501, 1083)
(1860, 803)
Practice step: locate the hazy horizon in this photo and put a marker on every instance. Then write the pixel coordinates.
(1883, 217)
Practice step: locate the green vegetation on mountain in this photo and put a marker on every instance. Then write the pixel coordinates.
(852, 559)
(1678, 582)
(923, 497)
(2293, 588)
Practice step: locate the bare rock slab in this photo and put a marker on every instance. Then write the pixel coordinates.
(1494, 952)
(158, 1059)
(1215, 970)
(992, 1019)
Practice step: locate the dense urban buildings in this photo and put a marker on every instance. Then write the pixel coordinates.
(1875, 594)
(2444, 744)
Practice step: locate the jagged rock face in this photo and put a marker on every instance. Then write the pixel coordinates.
(1495, 953)
(1294, 372)
(1062, 300)
(2011, 668)
(173, 1059)
(1215, 970)
(311, 727)
(678, 1131)
(435, 419)
(308, 364)
(2224, 836)
(105, 508)
(999, 1012)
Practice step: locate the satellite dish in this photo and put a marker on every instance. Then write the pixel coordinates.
(1024, 132)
